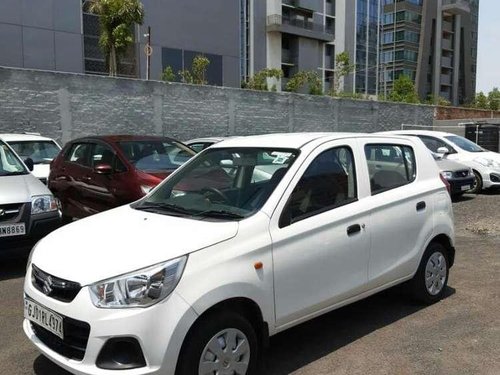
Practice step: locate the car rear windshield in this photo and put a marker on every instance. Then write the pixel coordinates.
(464, 143)
(156, 155)
(41, 152)
(222, 183)
(10, 165)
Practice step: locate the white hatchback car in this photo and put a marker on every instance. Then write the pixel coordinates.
(34, 149)
(485, 164)
(194, 278)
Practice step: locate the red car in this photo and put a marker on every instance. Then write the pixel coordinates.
(94, 174)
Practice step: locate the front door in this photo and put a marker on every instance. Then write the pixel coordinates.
(320, 241)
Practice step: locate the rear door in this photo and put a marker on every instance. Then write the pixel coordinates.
(70, 179)
(320, 241)
(401, 210)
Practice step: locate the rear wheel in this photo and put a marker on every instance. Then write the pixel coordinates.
(477, 186)
(223, 342)
(431, 279)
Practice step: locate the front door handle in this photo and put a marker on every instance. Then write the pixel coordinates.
(353, 229)
(421, 206)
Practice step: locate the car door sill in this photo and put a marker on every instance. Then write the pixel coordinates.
(341, 304)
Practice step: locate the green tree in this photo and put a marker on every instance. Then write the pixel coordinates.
(259, 79)
(481, 101)
(168, 74)
(117, 18)
(197, 73)
(494, 99)
(404, 90)
(302, 78)
(343, 67)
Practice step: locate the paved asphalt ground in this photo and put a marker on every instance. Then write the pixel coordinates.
(385, 334)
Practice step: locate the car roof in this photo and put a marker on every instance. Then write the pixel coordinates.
(10, 137)
(207, 139)
(288, 140)
(418, 132)
(122, 138)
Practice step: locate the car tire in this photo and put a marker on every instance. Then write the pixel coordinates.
(430, 282)
(478, 184)
(206, 346)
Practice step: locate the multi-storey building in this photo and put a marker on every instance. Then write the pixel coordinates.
(432, 42)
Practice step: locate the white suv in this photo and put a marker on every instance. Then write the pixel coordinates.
(484, 164)
(34, 150)
(194, 278)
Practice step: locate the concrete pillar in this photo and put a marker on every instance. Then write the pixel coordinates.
(437, 50)
(273, 44)
(456, 59)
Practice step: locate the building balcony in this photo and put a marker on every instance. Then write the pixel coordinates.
(288, 57)
(447, 26)
(447, 62)
(446, 44)
(299, 27)
(456, 6)
(446, 79)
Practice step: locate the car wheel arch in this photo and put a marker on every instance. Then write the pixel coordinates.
(444, 240)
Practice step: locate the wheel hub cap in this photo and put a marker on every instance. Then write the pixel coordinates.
(435, 273)
(227, 353)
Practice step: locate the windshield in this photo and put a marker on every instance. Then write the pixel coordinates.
(155, 155)
(41, 152)
(223, 183)
(464, 143)
(10, 165)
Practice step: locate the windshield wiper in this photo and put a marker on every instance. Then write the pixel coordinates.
(220, 214)
(163, 207)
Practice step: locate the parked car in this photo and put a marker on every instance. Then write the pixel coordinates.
(28, 211)
(94, 174)
(199, 144)
(484, 164)
(32, 146)
(459, 176)
(220, 266)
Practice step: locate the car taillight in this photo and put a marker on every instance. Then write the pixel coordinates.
(446, 183)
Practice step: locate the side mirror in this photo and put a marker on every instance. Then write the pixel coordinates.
(443, 150)
(30, 164)
(103, 169)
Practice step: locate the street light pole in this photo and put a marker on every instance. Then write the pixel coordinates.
(148, 51)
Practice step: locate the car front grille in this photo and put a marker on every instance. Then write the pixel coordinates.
(10, 212)
(54, 287)
(74, 344)
(462, 173)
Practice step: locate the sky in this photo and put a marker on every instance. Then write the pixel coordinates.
(488, 50)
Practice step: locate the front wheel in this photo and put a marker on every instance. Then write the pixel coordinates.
(224, 342)
(477, 186)
(431, 279)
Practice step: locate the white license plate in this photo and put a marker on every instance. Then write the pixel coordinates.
(465, 187)
(43, 317)
(9, 230)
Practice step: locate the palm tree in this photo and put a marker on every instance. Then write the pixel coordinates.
(117, 18)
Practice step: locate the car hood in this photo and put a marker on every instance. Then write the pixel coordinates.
(123, 240)
(17, 189)
(450, 165)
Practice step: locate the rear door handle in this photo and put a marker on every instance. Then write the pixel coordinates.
(353, 229)
(421, 206)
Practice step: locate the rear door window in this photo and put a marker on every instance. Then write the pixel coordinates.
(390, 166)
(79, 153)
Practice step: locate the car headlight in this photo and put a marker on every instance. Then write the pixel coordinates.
(43, 203)
(140, 288)
(146, 189)
(447, 174)
(487, 162)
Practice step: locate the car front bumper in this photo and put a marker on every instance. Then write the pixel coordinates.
(159, 330)
(461, 185)
(37, 227)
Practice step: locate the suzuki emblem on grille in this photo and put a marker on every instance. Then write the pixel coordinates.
(47, 285)
(2, 212)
